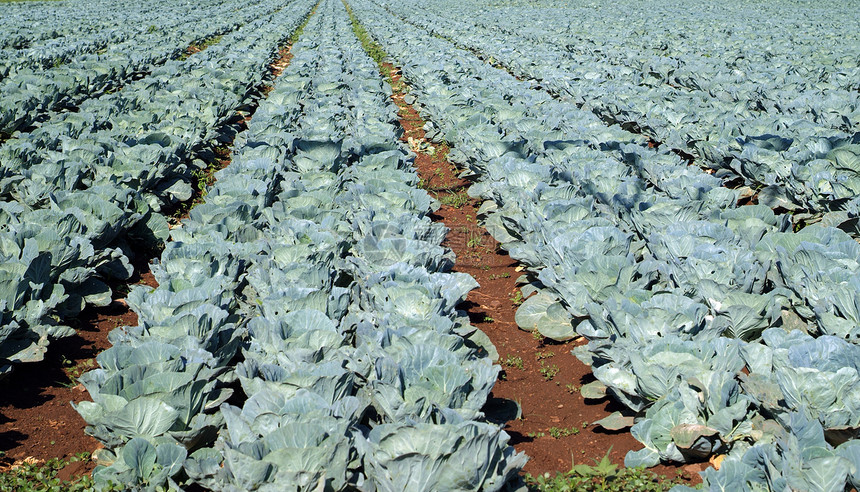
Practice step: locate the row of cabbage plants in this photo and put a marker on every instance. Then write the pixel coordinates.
(720, 329)
(304, 334)
(743, 32)
(114, 25)
(38, 23)
(789, 130)
(30, 95)
(81, 189)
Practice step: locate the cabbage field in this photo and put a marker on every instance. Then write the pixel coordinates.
(680, 185)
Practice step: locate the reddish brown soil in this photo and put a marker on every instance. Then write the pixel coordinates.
(199, 46)
(192, 49)
(36, 419)
(546, 402)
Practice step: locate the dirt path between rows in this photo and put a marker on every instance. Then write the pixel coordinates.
(37, 421)
(541, 376)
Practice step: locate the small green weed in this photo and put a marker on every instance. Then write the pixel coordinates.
(454, 199)
(203, 177)
(544, 355)
(425, 184)
(36, 476)
(514, 361)
(75, 371)
(559, 432)
(603, 476)
(517, 298)
(474, 241)
(548, 372)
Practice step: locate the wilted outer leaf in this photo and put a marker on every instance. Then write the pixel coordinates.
(594, 390)
(615, 421)
(686, 435)
(545, 314)
(529, 314)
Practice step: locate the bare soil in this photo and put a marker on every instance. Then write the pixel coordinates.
(37, 421)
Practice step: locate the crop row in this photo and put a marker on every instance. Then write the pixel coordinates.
(720, 329)
(790, 132)
(304, 334)
(79, 190)
(44, 23)
(31, 95)
(115, 25)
